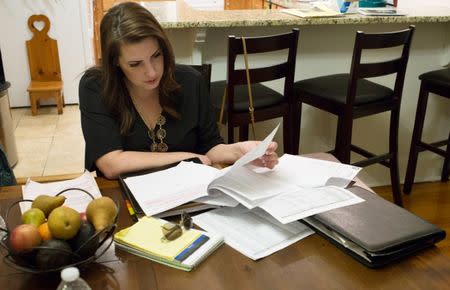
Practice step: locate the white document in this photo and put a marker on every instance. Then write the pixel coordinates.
(163, 190)
(253, 233)
(311, 172)
(305, 202)
(75, 199)
(297, 187)
(160, 191)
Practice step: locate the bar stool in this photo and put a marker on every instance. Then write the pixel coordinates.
(436, 82)
(267, 103)
(351, 96)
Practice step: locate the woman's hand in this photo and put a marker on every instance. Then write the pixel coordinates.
(203, 158)
(269, 159)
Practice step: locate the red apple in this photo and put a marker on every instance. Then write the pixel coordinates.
(83, 216)
(24, 237)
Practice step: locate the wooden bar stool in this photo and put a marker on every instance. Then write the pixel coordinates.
(351, 96)
(436, 82)
(268, 103)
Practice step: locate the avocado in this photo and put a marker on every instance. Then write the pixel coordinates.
(85, 243)
(53, 254)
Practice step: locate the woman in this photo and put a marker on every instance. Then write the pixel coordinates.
(139, 110)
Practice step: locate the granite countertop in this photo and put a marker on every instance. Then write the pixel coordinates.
(178, 14)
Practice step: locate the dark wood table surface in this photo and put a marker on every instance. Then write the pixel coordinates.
(312, 263)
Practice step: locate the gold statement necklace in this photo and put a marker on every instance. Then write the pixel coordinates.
(157, 134)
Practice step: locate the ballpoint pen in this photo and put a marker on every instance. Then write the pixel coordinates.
(131, 211)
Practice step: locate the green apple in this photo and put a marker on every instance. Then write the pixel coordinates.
(33, 216)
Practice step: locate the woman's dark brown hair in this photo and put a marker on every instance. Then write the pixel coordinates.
(130, 23)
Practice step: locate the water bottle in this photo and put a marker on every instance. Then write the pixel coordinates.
(70, 280)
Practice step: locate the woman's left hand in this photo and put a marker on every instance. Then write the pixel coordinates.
(270, 157)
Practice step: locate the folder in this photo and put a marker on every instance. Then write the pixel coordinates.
(187, 207)
(375, 232)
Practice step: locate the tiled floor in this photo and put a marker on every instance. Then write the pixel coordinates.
(48, 144)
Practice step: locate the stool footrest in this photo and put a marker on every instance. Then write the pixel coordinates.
(434, 147)
(371, 158)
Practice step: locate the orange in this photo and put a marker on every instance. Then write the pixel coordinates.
(44, 232)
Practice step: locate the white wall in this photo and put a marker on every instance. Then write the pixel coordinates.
(70, 26)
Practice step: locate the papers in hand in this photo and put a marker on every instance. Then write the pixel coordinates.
(253, 233)
(75, 199)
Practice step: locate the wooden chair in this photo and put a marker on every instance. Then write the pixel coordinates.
(268, 103)
(436, 82)
(351, 96)
(44, 66)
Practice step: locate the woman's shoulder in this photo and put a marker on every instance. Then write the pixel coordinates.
(91, 80)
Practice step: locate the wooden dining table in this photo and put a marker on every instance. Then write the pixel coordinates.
(311, 263)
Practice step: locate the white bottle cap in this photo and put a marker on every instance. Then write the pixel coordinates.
(70, 274)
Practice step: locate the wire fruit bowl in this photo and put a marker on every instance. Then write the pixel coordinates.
(89, 251)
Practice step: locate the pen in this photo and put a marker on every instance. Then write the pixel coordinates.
(131, 211)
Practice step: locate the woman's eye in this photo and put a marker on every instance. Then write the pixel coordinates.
(158, 54)
(134, 64)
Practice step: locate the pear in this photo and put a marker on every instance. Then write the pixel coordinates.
(33, 216)
(101, 212)
(64, 222)
(47, 203)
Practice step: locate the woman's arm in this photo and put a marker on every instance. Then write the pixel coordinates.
(114, 163)
(229, 153)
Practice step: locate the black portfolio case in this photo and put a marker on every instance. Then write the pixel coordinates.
(375, 232)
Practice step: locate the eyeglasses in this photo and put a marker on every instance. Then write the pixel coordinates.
(172, 231)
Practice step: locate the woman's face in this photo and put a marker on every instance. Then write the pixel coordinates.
(143, 64)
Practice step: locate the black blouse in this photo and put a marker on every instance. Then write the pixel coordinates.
(196, 131)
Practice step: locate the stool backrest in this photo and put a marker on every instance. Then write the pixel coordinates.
(205, 70)
(371, 41)
(257, 45)
(43, 56)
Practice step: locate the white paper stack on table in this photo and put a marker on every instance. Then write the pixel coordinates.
(296, 188)
(272, 201)
(76, 199)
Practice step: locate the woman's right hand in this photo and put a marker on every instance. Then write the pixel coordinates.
(203, 158)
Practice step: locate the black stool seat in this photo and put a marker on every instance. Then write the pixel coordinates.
(266, 96)
(437, 82)
(333, 88)
(437, 77)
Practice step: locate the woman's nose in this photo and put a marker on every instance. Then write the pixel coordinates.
(149, 70)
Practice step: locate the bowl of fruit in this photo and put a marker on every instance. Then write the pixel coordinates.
(52, 235)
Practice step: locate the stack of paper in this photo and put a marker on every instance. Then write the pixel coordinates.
(76, 199)
(297, 187)
(145, 239)
(314, 10)
(253, 233)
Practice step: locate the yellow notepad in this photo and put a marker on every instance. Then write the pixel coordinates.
(146, 235)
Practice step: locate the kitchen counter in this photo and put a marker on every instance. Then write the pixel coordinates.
(179, 14)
